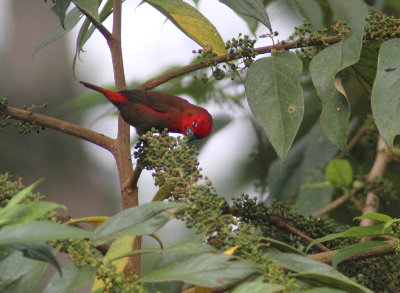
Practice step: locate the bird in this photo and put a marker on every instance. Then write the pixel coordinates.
(145, 109)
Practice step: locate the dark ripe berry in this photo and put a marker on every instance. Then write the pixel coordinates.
(218, 74)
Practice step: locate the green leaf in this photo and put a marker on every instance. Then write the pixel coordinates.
(5, 251)
(17, 198)
(163, 192)
(316, 273)
(28, 212)
(339, 173)
(60, 8)
(392, 4)
(282, 246)
(72, 279)
(375, 216)
(39, 251)
(89, 6)
(19, 274)
(357, 248)
(385, 96)
(324, 290)
(71, 20)
(208, 270)
(87, 28)
(276, 98)
(120, 245)
(191, 22)
(352, 232)
(310, 10)
(94, 221)
(189, 246)
(308, 155)
(251, 8)
(329, 62)
(139, 220)
(329, 280)
(258, 286)
(303, 264)
(365, 68)
(35, 232)
(314, 194)
(166, 287)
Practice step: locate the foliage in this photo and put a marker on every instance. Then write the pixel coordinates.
(340, 65)
(216, 224)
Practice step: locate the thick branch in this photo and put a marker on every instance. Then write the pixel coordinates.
(129, 194)
(61, 126)
(378, 169)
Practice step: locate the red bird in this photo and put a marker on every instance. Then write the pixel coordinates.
(147, 109)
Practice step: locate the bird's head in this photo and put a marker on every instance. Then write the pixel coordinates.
(196, 123)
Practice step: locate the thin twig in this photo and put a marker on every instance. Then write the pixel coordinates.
(354, 140)
(333, 205)
(278, 222)
(282, 224)
(342, 199)
(151, 83)
(132, 183)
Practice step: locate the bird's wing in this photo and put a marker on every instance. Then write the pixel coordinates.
(160, 102)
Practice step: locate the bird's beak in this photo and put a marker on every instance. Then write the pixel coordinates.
(190, 134)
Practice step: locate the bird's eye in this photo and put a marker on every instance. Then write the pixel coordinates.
(194, 124)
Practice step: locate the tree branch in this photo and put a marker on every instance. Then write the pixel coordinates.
(129, 194)
(333, 205)
(96, 138)
(327, 257)
(354, 140)
(378, 169)
(151, 83)
(282, 224)
(61, 126)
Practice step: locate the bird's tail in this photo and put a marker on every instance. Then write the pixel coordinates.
(114, 97)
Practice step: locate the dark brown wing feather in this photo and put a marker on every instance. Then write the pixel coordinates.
(160, 102)
(144, 118)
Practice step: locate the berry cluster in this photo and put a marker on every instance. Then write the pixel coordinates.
(381, 28)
